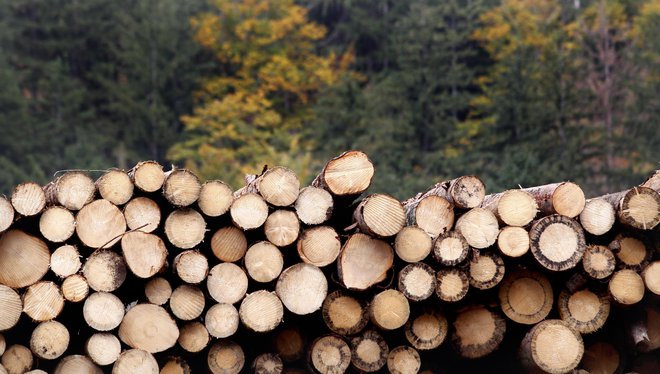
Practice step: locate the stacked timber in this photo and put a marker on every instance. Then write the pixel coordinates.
(153, 271)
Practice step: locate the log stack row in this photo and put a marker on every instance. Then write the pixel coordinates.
(148, 271)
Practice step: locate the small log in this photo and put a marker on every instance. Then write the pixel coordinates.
(417, 281)
(513, 241)
(142, 214)
(630, 252)
(643, 329)
(229, 244)
(175, 365)
(479, 227)
(626, 287)
(49, 340)
(191, 266)
(380, 215)
(264, 262)
(389, 310)
(17, 359)
(282, 227)
(11, 307)
(103, 311)
(57, 224)
(348, 174)
(450, 249)
(77, 364)
(225, 357)
(221, 320)
(73, 190)
(539, 350)
(486, 270)
(651, 277)
(100, 224)
(302, 300)
(598, 216)
(477, 332)
(344, 314)
(43, 301)
(24, 259)
(75, 288)
(104, 270)
(279, 186)
(6, 214)
(147, 176)
(181, 187)
(557, 242)
(103, 348)
(145, 254)
(566, 199)
(185, 228)
(227, 283)
(584, 311)
(403, 360)
(314, 205)
(369, 351)
(249, 211)
(290, 344)
(319, 246)
(412, 244)
(601, 357)
(512, 207)
(261, 311)
(329, 354)
(433, 214)
(193, 337)
(187, 302)
(148, 327)
(115, 186)
(65, 261)
(158, 291)
(427, 330)
(28, 199)
(364, 261)
(215, 198)
(598, 261)
(135, 361)
(526, 297)
(267, 363)
(451, 284)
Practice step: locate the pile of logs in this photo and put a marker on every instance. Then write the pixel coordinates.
(149, 271)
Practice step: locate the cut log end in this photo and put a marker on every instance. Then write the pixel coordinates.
(43, 301)
(626, 287)
(17, 359)
(227, 283)
(450, 249)
(380, 215)
(226, 357)
(314, 205)
(598, 261)
(249, 211)
(100, 224)
(181, 187)
(221, 320)
(348, 174)
(417, 281)
(477, 332)
(185, 228)
(73, 190)
(485, 270)
(148, 327)
(191, 266)
(568, 199)
(433, 214)
(6, 214)
(516, 208)
(144, 254)
(344, 314)
(267, 363)
(142, 214)
(65, 261)
(135, 361)
(330, 354)
(103, 348)
(103, 311)
(598, 216)
(479, 227)
(403, 360)
(369, 351)
(651, 277)
(175, 365)
(427, 330)
(193, 337)
(412, 244)
(282, 227)
(389, 310)
(57, 224)
(630, 251)
(148, 176)
(302, 300)
(279, 186)
(105, 270)
(584, 311)
(215, 198)
(640, 208)
(319, 246)
(24, 259)
(75, 288)
(364, 261)
(229, 244)
(187, 302)
(11, 307)
(557, 242)
(158, 291)
(467, 192)
(115, 186)
(264, 262)
(526, 297)
(452, 284)
(28, 199)
(513, 241)
(539, 349)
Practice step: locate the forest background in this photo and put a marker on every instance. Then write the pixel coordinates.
(519, 92)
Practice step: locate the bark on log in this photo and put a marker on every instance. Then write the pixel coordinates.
(103, 348)
(557, 242)
(513, 241)
(486, 270)
(264, 262)
(526, 297)
(57, 224)
(566, 198)
(43, 301)
(115, 186)
(638, 207)
(225, 357)
(319, 246)
(427, 330)
(100, 224)
(347, 175)
(73, 190)
(49, 340)
(512, 207)
(249, 211)
(282, 227)
(329, 354)
(369, 351)
(28, 199)
(147, 176)
(584, 311)
(412, 244)
(451, 284)
(75, 288)
(143, 214)
(191, 266)
(227, 283)
(185, 228)
(477, 332)
(403, 360)
(24, 259)
(181, 187)
(187, 302)
(598, 261)
(450, 249)
(389, 310)
(278, 186)
(344, 314)
(364, 261)
(380, 215)
(215, 198)
(302, 300)
(193, 337)
(158, 291)
(148, 327)
(221, 320)
(145, 254)
(539, 351)
(416, 281)
(314, 205)
(433, 214)
(601, 357)
(630, 251)
(103, 311)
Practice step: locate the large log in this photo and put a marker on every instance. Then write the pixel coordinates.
(263, 262)
(427, 330)
(412, 244)
(103, 311)
(477, 332)
(43, 301)
(364, 261)
(187, 302)
(389, 310)
(49, 340)
(565, 198)
(526, 297)
(24, 259)
(380, 215)
(347, 175)
(100, 224)
(73, 190)
(540, 351)
(148, 327)
(142, 213)
(279, 186)
(194, 337)
(11, 307)
(215, 198)
(314, 205)
(512, 207)
(297, 299)
(65, 261)
(145, 254)
(369, 351)
(185, 228)
(319, 246)
(557, 242)
(6, 214)
(57, 224)
(344, 314)
(638, 207)
(103, 348)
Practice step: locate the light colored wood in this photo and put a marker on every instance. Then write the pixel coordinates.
(3, 344)
(416, 281)
(103, 348)
(601, 357)
(427, 330)
(526, 296)
(145, 254)
(6, 214)
(229, 244)
(451, 284)
(479, 227)
(389, 310)
(297, 299)
(77, 364)
(28, 199)
(319, 246)
(598, 216)
(263, 262)
(104, 270)
(187, 302)
(175, 365)
(185, 228)
(103, 311)
(43, 301)
(314, 205)
(193, 337)
(512, 207)
(290, 344)
(557, 242)
(135, 361)
(282, 227)
(142, 214)
(630, 252)
(49, 340)
(24, 259)
(73, 190)
(147, 176)
(450, 249)
(329, 354)
(412, 244)
(267, 363)
(279, 186)
(369, 351)
(100, 224)
(348, 174)
(215, 198)
(225, 357)
(585, 311)
(17, 359)
(433, 214)
(261, 311)
(344, 314)
(513, 241)
(148, 327)
(191, 266)
(551, 346)
(651, 277)
(221, 320)
(75, 288)
(11, 307)
(115, 186)
(181, 187)
(486, 270)
(65, 261)
(403, 360)
(249, 211)
(464, 192)
(158, 291)
(477, 332)
(640, 208)
(227, 283)
(598, 261)
(364, 261)
(380, 215)
(626, 287)
(566, 198)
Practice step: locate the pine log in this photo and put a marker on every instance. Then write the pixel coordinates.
(187, 302)
(512, 207)
(598, 216)
(643, 329)
(264, 262)
(433, 214)
(389, 310)
(451, 284)
(630, 252)
(314, 205)
(65, 261)
(28, 199)
(227, 283)
(148, 327)
(77, 364)
(344, 314)
(103, 348)
(103, 311)
(221, 320)
(347, 175)
(75, 288)
(290, 344)
(302, 300)
(479, 227)
(267, 363)
(57, 224)
(142, 214)
(403, 360)
(100, 224)
(486, 270)
(584, 311)
(115, 186)
(249, 211)
(261, 311)
(412, 244)
(513, 241)
(427, 330)
(651, 277)
(135, 361)
(181, 187)
(364, 261)
(49, 340)
(557, 242)
(369, 351)
(598, 261)
(626, 287)
(380, 215)
(17, 359)
(229, 244)
(43, 301)
(540, 351)
(215, 198)
(191, 266)
(526, 296)
(477, 332)
(147, 176)
(638, 207)
(11, 307)
(564, 198)
(193, 337)
(278, 186)
(24, 259)
(185, 228)
(158, 291)
(282, 227)
(450, 249)
(145, 254)
(602, 357)
(225, 357)
(6, 214)
(416, 281)
(464, 192)
(329, 354)
(319, 246)
(105, 270)
(73, 190)
(175, 365)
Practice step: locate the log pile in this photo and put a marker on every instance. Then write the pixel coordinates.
(148, 271)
